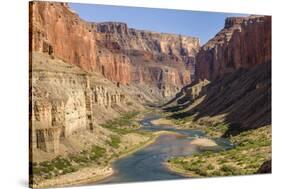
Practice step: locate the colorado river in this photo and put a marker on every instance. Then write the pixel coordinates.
(147, 163)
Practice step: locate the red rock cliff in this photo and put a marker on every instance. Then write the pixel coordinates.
(56, 30)
(120, 53)
(243, 42)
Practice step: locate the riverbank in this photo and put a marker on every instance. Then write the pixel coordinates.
(178, 169)
(212, 128)
(82, 176)
(95, 173)
(252, 148)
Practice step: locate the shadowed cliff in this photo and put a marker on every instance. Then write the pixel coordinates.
(233, 86)
(242, 98)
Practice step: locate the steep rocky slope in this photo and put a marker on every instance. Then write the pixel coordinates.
(231, 96)
(233, 73)
(158, 62)
(64, 100)
(241, 99)
(243, 43)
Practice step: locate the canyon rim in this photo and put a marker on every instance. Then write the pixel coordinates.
(110, 103)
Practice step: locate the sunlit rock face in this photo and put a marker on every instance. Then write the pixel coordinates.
(157, 59)
(64, 100)
(243, 43)
(121, 54)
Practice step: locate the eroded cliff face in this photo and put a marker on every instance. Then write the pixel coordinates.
(243, 43)
(85, 73)
(66, 100)
(158, 60)
(117, 36)
(119, 53)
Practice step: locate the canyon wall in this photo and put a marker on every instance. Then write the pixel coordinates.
(65, 100)
(121, 54)
(243, 43)
(232, 92)
(84, 73)
(233, 72)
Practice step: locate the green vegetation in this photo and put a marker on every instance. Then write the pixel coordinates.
(252, 148)
(49, 169)
(95, 155)
(181, 121)
(61, 165)
(216, 130)
(114, 141)
(123, 125)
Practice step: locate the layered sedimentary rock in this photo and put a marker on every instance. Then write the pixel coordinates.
(243, 43)
(63, 99)
(160, 60)
(117, 36)
(105, 97)
(66, 99)
(119, 53)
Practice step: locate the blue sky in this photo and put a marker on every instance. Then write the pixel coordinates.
(191, 23)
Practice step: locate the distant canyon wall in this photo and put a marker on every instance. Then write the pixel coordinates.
(121, 54)
(243, 43)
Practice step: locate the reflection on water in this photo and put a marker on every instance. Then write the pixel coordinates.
(147, 164)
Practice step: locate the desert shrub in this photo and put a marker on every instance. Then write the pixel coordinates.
(229, 170)
(210, 167)
(114, 141)
(216, 173)
(44, 163)
(36, 170)
(61, 163)
(201, 172)
(120, 125)
(97, 152)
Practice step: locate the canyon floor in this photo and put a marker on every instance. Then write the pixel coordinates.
(193, 150)
(95, 163)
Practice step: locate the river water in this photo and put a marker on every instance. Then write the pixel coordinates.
(147, 163)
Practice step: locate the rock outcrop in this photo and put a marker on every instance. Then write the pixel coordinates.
(243, 43)
(265, 167)
(125, 55)
(65, 99)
